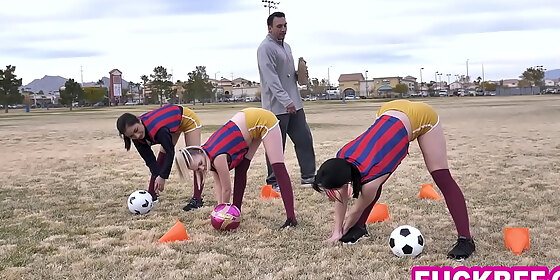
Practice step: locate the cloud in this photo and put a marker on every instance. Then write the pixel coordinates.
(42, 53)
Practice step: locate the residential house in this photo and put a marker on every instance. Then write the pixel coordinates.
(510, 83)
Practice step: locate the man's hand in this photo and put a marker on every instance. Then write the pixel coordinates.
(291, 108)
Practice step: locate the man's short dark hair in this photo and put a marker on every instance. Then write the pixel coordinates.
(272, 16)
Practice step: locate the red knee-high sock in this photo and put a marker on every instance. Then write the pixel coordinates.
(365, 214)
(197, 191)
(240, 182)
(286, 190)
(454, 199)
(160, 160)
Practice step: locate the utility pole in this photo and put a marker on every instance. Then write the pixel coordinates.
(367, 92)
(270, 4)
(82, 74)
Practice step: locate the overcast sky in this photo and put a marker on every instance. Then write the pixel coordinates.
(387, 38)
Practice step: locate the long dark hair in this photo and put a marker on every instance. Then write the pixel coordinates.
(124, 121)
(335, 173)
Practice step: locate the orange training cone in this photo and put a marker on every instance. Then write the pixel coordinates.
(379, 213)
(517, 239)
(428, 191)
(268, 192)
(176, 233)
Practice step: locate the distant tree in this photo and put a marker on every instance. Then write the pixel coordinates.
(9, 87)
(198, 86)
(317, 87)
(145, 81)
(161, 83)
(477, 81)
(534, 76)
(93, 95)
(489, 86)
(100, 83)
(72, 92)
(401, 89)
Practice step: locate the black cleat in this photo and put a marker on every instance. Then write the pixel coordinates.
(462, 249)
(290, 223)
(354, 234)
(195, 203)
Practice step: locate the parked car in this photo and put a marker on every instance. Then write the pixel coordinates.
(442, 92)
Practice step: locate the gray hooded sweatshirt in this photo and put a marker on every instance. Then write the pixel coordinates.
(278, 76)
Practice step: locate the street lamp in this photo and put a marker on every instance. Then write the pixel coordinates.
(216, 87)
(421, 82)
(467, 71)
(270, 4)
(367, 92)
(448, 80)
(435, 80)
(328, 82)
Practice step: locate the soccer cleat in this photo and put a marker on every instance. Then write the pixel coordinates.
(195, 203)
(354, 234)
(275, 187)
(290, 223)
(462, 249)
(154, 198)
(308, 181)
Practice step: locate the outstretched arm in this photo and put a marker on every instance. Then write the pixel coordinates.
(222, 170)
(366, 197)
(340, 205)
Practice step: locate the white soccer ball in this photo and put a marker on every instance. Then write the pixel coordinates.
(140, 202)
(406, 241)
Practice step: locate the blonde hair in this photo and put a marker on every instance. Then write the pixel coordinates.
(184, 158)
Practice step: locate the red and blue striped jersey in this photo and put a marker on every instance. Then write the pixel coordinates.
(379, 150)
(227, 140)
(167, 116)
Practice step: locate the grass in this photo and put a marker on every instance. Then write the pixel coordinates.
(66, 177)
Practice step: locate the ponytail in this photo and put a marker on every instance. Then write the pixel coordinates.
(126, 142)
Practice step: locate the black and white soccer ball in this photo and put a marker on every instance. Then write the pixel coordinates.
(406, 241)
(140, 202)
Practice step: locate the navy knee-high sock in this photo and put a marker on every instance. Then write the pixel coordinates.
(240, 182)
(365, 214)
(286, 190)
(454, 199)
(160, 160)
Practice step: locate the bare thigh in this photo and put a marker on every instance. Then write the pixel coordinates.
(273, 145)
(433, 149)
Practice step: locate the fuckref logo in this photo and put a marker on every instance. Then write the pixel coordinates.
(485, 273)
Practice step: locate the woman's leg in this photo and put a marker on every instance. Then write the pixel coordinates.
(192, 138)
(273, 147)
(434, 151)
(240, 178)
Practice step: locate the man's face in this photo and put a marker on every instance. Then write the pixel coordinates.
(278, 28)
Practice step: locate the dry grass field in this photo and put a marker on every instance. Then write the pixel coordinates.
(65, 178)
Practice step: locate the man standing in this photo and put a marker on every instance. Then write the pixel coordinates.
(280, 94)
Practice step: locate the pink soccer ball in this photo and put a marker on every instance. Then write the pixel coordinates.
(225, 217)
